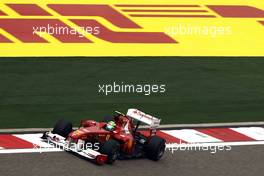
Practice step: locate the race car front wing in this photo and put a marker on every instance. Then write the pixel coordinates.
(66, 144)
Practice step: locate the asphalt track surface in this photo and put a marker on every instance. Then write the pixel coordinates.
(241, 160)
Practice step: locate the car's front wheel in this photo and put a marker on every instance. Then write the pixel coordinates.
(111, 149)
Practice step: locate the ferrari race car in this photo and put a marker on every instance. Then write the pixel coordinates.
(116, 137)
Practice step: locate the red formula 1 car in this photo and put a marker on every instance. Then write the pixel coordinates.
(117, 137)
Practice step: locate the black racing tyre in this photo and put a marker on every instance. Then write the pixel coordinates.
(155, 148)
(111, 149)
(62, 128)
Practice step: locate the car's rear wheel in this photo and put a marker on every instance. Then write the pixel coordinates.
(62, 128)
(111, 149)
(155, 148)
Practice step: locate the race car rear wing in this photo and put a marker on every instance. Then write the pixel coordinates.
(153, 122)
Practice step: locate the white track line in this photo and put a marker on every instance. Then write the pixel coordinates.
(191, 136)
(256, 133)
(30, 150)
(8, 151)
(217, 144)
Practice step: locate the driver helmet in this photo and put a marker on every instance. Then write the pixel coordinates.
(110, 126)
